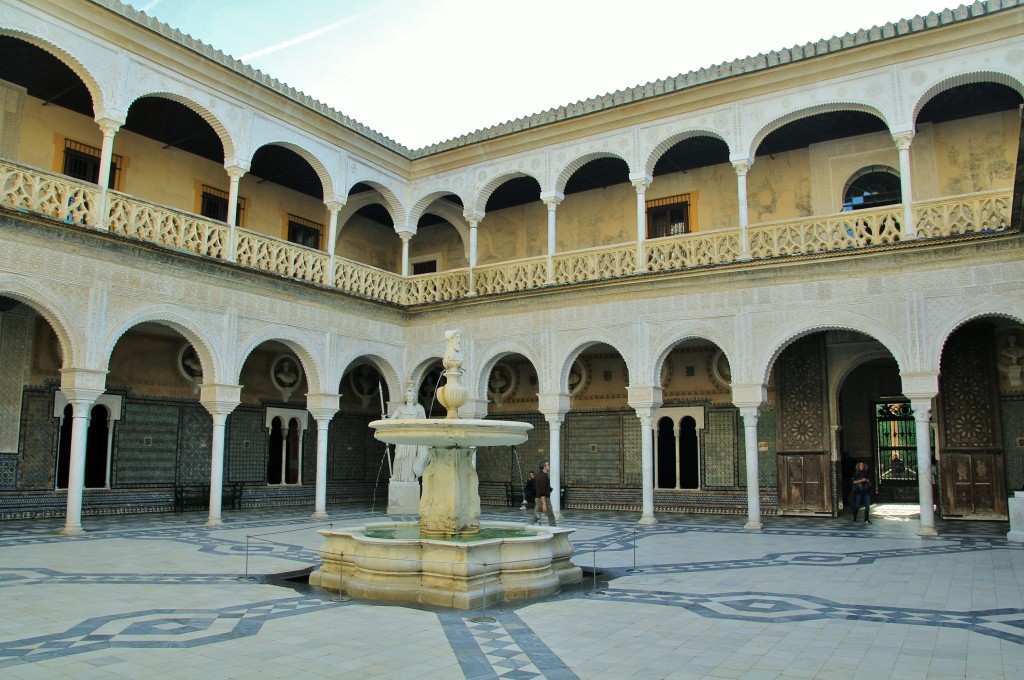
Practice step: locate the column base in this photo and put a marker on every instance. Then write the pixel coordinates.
(319, 515)
(927, 531)
(71, 531)
(214, 522)
(472, 293)
(753, 525)
(647, 520)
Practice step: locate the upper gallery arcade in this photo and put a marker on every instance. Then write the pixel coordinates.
(714, 292)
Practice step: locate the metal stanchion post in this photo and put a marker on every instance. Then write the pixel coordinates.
(634, 570)
(485, 618)
(342, 595)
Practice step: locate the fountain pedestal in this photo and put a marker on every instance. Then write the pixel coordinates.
(403, 498)
(451, 500)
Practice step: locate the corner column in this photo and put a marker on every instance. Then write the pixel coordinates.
(333, 208)
(645, 400)
(903, 141)
(474, 220)
(552, 199)
(323, 406)
(742, 167)
(235, 173)
(405, 234)
(220, 400)
(750, 416)
(109, 128)
(640, 182)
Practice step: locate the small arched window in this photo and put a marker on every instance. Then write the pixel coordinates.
(872, 187)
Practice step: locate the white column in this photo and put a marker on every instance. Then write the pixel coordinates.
(284, 449)
(903, 141)
(405, 236)
(80, 409)
(678, 453)
(742, 167)
(646, 416)
(109, 128)
(323, 407)
(333, 207)
(552, 199)
(216, 469)
(220, 400)
(640, 183)
(474, 221)
(235, 174)
(753, 468)
(922, 430)
(555, 459)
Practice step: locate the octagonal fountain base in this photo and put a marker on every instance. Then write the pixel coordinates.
(447, 573)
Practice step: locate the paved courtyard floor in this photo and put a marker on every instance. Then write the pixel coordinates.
(164, 596)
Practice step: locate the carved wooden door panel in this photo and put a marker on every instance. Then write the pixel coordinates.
(973, 485)
(804, 483)
(970, 427)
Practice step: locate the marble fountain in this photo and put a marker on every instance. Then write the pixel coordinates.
(449, 558)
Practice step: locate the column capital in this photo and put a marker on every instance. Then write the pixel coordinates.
(405, 233)
(220, 399)
(473, 217)
(109, 126)
(334, 206)
(644, 398)
(323, 405)
(236, 172)
(751, 396)
(920, 385)
(552, 198)
(640, 181)
(83, 380)
(741, 167)
(903, 139)
(554, 405)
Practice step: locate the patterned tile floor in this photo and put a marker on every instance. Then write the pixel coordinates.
(164, 596)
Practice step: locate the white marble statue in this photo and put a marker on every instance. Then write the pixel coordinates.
(410, 460)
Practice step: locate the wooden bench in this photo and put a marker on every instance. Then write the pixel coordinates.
(197, 496)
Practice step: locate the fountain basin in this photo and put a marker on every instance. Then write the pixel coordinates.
(450, 433)
(446, 573)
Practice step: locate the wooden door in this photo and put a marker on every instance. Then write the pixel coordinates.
(973, 486)
(804, 484)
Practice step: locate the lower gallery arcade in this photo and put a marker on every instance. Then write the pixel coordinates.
(153, 428)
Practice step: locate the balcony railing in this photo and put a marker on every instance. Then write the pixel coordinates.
(79, 204)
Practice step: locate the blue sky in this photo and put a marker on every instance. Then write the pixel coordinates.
(422, 71)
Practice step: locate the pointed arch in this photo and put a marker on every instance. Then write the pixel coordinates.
(479, 204)
(100, 101)
(578, 162)
(680, 136)
(967, 78)
(326, 181)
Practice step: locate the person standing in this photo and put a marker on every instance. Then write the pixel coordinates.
(862, 492)
(530, 492)
(543, 503)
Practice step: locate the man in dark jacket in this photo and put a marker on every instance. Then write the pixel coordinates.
(543, 503)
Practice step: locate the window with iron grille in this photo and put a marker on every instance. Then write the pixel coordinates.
(872, 187)
(82, 161)
(304, 232)
(668, 216)
(214, 205)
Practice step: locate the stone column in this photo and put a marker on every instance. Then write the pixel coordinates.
(323, 406)
(922, 430)
(750, 415)
(333, 207)
(109, 127)
(81, 387)
(235, 174)
(554, 406)
(474, 220)
(405, 234)
(645, 400)
(220, 400)
(640, 182)
(742, 167)
(552, 199)
(903, 140)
